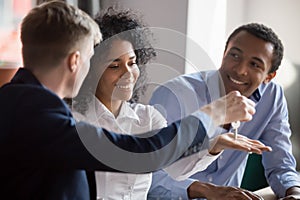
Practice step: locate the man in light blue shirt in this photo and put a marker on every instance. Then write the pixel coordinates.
(252, 55)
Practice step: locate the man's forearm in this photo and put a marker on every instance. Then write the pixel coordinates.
(198, 189)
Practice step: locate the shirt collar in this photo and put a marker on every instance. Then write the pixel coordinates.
(127, 112)
(100, 110)
(256, 95)
(214, 87)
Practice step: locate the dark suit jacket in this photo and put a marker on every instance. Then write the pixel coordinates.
(43, 155)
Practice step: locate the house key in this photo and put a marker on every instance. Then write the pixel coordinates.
(235, 125)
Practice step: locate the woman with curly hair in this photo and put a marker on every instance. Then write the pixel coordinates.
(109, 95)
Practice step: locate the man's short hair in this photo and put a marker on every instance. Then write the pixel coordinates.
(265, 33)
(53, 30)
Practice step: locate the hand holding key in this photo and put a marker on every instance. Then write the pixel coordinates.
(229, 108)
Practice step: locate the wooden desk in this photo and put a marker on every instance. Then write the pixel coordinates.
(266, 193)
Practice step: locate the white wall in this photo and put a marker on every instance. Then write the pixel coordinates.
(168, 14)
(282, 16)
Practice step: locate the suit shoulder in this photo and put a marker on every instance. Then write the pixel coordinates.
(30, 95)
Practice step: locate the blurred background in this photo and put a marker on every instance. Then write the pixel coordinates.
(190, 35)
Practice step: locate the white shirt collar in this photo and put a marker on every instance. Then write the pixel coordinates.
(99, 110)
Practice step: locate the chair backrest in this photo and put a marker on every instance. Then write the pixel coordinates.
(254, 176)
(6, 74)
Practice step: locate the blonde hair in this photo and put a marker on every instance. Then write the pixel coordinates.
(51, 30)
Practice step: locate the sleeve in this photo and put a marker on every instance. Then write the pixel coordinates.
(188, 166)
(78, 116)
(279, 164)
(57, 139)
(50, 136)
(164, 187)
(184, 168)
(166, 102)
(158, 150)
(157, 119)
(175, 100)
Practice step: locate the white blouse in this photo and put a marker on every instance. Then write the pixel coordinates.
(134, 119)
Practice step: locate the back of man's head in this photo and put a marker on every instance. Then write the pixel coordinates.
(53, 30)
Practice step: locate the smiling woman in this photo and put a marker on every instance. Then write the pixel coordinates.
(119, 78)
(109, 94)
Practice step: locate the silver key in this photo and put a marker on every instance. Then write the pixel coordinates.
(235, 125)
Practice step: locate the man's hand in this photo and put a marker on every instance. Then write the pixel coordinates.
(292, 193)
(214, 192)
(242, 143)
(230, 108)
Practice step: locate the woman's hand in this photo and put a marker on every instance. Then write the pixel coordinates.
(242, 143)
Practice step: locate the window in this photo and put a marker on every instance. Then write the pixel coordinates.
(206, 29)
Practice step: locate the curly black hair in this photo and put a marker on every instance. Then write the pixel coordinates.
(128, 25)
(38, 2)
(267, 34)
(125, 25)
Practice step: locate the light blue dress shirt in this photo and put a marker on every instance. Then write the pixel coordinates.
(184, 94)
